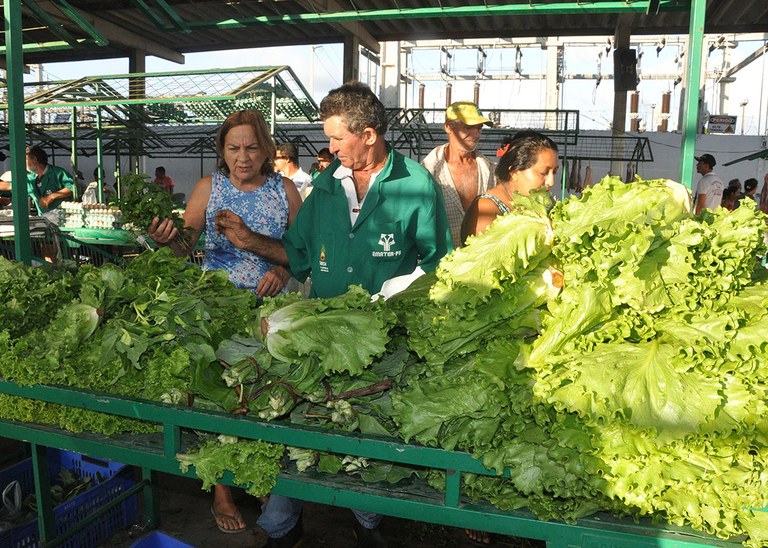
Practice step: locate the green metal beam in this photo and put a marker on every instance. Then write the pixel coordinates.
(78, 19)
(14, 61)
(149, 13)
(54, 26)
(48, 46)
(693, 91)
(503, 10)
(177, 21)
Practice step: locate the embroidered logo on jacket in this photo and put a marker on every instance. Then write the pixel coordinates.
(323, 263)
(386, 241)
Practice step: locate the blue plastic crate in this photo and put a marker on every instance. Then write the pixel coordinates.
(110, 479)
(158, 539)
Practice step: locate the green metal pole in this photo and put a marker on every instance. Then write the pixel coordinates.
(151, 505)
(15, 66)
(692, 92)
(99, 156)
(273, 108)
(45, 519)
(73, 157)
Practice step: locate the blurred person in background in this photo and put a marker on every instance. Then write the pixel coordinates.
(287, 163)
(750, 191)
(709, 190)
(324, 159)
(730, 196)
(162, 180)
(47, 185)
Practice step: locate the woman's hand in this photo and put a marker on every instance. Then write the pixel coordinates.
(273, 282)
(162, 231)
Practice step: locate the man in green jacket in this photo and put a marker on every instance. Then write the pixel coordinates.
(373, 215)
(47, 185)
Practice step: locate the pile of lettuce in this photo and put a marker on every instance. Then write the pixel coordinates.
(641, 390)
(602, 353)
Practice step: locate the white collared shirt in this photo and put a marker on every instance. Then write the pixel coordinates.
(344, 174)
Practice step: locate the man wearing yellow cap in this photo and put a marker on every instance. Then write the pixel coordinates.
(459, 169)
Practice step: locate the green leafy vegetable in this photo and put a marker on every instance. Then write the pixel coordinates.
(254, 464)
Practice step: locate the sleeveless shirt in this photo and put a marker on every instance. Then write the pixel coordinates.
(264, 210)
(503, 208)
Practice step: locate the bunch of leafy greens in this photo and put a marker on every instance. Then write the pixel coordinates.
(143, 201)
(147, 331)
(321, 362)
(489, 289)
(253, 463)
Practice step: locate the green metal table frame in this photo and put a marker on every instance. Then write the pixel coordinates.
(409, 499)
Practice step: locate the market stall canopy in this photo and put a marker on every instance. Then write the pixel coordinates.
(67, 30)
(754, 156)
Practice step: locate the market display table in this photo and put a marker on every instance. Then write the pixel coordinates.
(102, 236)
(409, 499)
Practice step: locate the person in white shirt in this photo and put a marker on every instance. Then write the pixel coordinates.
(461, 172)
(709, 191)
(287, 164)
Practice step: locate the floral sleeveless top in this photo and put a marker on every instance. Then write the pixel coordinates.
(264, 210)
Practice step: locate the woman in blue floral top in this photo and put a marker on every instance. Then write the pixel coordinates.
(244, 196)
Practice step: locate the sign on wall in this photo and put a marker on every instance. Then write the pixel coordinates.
(719, 123)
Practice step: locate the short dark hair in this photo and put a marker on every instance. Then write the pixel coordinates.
(750, 184)
(161, 169)
(522, 151)
(730, 192)
(289, 150)
(38, 153)
(256, 120)
(357, 105)
(326, 154)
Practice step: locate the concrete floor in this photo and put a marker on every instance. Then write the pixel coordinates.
(185, 515)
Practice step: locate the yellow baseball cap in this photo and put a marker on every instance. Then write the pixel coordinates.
(467, 113)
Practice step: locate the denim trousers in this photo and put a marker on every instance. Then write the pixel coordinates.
(280, 514)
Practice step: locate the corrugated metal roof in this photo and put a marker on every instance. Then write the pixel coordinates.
(54, 30)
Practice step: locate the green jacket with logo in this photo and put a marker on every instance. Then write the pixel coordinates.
(402, 224)
(54, 179)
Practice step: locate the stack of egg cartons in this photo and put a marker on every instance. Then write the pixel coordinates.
(101, 216)
(71, 215)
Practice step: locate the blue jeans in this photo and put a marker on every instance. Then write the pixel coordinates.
(280, 514)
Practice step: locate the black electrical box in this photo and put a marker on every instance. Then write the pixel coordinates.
(624, 69)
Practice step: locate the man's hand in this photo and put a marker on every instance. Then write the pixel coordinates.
(233, 228)
(272, 282)
(46, 201)
(162, 231)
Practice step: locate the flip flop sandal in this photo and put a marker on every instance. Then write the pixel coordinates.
(236, 517)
